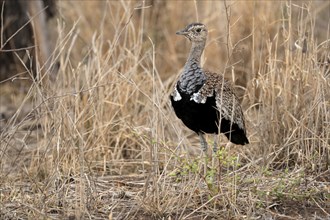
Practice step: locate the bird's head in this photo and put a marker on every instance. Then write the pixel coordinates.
(195, 32)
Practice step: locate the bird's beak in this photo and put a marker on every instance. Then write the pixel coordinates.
(182, 32)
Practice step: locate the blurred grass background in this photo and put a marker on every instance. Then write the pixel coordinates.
(102, 141)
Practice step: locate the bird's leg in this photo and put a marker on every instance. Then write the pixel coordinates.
(215, 149)
(203, 142)
(204, 149)
(215, 144)
(217, 155)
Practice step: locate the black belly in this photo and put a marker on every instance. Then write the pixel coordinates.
(199, 117)
(204, 117)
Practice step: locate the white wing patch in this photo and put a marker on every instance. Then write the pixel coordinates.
(176, 95)
(198, 98)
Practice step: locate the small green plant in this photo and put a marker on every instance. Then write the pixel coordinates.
(185, 168)
(226, 160)
(222, 161)
(210, 176)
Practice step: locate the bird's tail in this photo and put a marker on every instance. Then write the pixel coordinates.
(237, 136)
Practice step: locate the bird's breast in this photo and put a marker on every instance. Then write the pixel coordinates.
(198, 116)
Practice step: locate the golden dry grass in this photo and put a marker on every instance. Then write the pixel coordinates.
(103, 142)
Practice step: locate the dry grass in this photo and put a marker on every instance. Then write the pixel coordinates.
(103, 142)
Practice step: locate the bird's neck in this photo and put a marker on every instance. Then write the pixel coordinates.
(192, 77)
(195, 53)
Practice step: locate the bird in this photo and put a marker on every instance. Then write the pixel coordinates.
(205, 101)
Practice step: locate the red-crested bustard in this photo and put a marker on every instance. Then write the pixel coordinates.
(205, 101)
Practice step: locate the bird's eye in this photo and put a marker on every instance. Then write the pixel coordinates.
(198, 30)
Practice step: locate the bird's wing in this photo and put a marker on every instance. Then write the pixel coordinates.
(226, 101)
(207, 89)
(228, 104)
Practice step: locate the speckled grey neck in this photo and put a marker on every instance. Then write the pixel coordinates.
(192, 77)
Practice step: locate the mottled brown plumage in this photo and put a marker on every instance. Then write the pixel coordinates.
(205, 101)
(226, 100)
